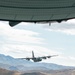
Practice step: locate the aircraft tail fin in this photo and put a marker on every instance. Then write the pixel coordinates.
(32, 54)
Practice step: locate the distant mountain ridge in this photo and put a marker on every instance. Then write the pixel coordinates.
(10, 63)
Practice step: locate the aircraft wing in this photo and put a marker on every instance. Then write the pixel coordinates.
(45, 57)
(26, 58)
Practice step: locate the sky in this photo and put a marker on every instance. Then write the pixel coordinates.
(57, 39)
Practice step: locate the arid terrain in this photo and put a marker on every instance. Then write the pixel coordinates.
(55, 72)
(7, 72)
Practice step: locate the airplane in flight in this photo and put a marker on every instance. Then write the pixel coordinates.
(47, 11)
(37, 59)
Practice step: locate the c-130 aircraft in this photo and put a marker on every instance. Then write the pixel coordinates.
(38, 59)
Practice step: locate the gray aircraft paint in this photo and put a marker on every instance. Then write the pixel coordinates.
(36, 10)
(16, 11)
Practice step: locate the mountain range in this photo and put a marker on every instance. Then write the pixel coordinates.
(14, 64)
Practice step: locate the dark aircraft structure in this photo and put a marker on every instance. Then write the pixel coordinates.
(37, 59)
(16, 11)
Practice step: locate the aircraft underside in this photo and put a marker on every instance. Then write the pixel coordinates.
(16, 11)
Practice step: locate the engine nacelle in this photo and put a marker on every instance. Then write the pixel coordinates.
(48, 56)
(27, 59)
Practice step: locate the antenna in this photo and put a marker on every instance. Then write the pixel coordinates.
(32, 54)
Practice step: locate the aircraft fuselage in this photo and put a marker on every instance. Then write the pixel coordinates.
(37, 59)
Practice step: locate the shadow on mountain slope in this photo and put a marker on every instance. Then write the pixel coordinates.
(34, 73)
(7, 72)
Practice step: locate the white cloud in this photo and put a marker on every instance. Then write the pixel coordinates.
(19, 35)
(67, 60)
(72, 21)
(64, 27)
(18, 43)
(62, 60)
(14, 40)
(25, 50)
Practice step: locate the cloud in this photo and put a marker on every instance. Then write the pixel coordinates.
(15, 40)
(64, 27)
(25, 50)
(19, 42)
(62, 60)
(18, 35)
(72, 21)
(67, 60)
